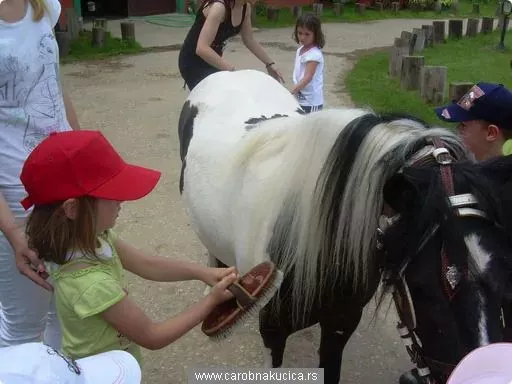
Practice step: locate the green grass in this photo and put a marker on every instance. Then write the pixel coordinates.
(82, 49)
(470, 59)
(285, 18)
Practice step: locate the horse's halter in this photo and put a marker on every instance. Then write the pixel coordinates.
(463, 206)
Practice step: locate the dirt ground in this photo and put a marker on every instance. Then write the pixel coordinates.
(136, 101)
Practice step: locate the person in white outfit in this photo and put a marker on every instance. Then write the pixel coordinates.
(308, 72)
(32, 104)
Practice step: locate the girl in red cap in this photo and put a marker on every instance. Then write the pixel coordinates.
(32, 103)
(76, 182)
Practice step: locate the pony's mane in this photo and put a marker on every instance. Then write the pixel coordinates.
(326, 230)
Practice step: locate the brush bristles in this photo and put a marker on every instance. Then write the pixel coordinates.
(264, 298)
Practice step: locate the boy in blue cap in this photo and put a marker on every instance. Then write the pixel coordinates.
(484, 115)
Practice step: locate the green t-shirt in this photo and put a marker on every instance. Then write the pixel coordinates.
(82, 294)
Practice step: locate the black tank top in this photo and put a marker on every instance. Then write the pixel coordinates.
(226, 30)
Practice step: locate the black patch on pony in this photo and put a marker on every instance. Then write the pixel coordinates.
(255, 120)
(185, 132)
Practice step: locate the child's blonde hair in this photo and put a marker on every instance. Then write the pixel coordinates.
(39, 8)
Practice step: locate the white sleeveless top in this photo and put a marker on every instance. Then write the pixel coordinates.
(31, 103)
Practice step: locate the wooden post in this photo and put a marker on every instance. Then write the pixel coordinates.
(396, 56)
(272, 14)
(338, 9)
(72, 21)
(297, 11)
(63, 42)
(410, 38)
(410, 74)
(438, 7)
(439, 31)
(472, 27)
(487, 25)
(476, 9)
(318, 9)
(429, 35)
(379, 6)
(98, 37)
(127, 30)
(458, 89)
(360, 7)
(455, 29)
(395, 6)
(419, 41)
(433, 84)
(100, 23)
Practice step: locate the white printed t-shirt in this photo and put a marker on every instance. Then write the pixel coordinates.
(312, 95)
(31, 102)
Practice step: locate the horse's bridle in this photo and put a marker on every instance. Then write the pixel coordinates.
(463, 206)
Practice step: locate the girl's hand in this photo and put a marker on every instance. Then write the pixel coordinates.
(275, 73)
(219, 292)
(214, 275)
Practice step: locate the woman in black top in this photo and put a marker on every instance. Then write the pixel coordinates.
(216, 21)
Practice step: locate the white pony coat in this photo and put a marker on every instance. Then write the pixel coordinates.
(236, 180)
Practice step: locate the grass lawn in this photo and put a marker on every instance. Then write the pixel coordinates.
(470, 59)
(286, 19)
(81, 48)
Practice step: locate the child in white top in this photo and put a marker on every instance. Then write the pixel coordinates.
(308, 73)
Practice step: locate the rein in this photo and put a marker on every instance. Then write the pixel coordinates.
(451, 276)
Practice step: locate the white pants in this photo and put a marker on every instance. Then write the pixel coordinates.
(27, 311)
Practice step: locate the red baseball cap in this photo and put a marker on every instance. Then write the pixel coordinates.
(82, 163)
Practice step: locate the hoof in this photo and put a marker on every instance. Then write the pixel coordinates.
(410, 377)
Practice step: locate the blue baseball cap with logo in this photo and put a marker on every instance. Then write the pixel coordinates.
(484, 101)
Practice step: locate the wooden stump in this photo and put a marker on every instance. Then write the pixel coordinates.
(297, 11)
(455, 29)
(439, 31)
(272, 14)
(379, 6)
(476, 9)
(318, 9)
(458, 89)
(399, 42)
(438, 7)
(472, 27)
(410, 38)
(487, 25)
(410, 74)
(429, 35)
(100, 23)
(338, 9)
(419, 41)
(63, 42)
(395, 6)
(360, 7)
(98, 37)
(433, 81)
(396, 55)
(127, 31)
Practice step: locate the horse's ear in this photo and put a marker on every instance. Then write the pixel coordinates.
(399, 192)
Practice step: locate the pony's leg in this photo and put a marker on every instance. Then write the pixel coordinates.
(336, 331)
(274, 338)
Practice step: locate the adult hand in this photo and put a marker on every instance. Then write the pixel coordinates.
(275, 73)
(27, 260)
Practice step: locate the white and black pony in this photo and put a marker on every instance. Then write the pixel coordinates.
(342, 200)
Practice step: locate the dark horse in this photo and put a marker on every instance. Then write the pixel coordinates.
(343, 200)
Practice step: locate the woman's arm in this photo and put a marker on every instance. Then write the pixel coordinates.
(70, 111)
(308, 75)
(215, 16)
(25, 257)
(256, 48)
(159, 268)
(126, 317)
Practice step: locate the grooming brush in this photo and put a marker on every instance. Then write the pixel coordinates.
(252, 292)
